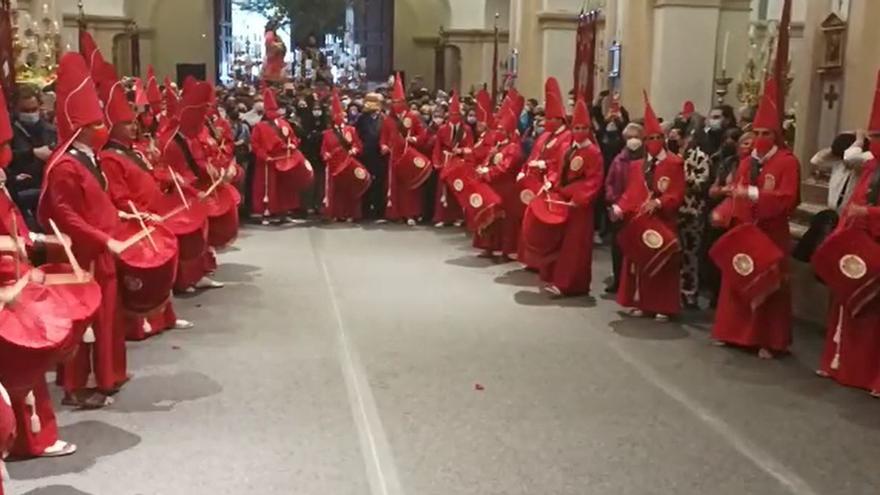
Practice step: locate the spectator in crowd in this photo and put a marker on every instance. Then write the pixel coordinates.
(33, 140)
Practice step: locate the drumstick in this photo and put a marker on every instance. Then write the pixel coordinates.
(67, 251)
(214, 185)
(16, 257)
(10, 293)
(557, 202)
(143, 225)
(172, 213)
(131, 241)
(179, 189)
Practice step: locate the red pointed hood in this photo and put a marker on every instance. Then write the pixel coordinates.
(454, 108)
(687, 109)
(553, 106)
(270, 103)
(194, 108)
(336, 109)
(767, 116)
(112, 94)
(397, 93)
(652, 123)
(484, 108)
(581, 117)
(507, 122)
(140, 95)
(874, 123)
(154, 96)
(89, 50)
(76, 104)
(172, 101)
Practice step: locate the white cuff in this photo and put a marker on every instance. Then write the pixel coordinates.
(753, 193)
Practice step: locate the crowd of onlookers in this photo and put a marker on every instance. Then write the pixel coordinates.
(711, 146)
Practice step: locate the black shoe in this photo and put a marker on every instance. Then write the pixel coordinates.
(611, 289)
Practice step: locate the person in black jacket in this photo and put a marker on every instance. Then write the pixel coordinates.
(33, 140)
(369, 127)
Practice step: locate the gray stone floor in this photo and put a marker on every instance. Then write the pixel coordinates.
(345, 360)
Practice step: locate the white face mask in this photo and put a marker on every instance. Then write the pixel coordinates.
(29, 118)
(472, 120)
(633, 144)
(317, 113)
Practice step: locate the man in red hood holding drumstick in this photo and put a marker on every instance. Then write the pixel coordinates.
(346, 177)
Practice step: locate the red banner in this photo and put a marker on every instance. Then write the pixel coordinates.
(7, 55)
(780, 70)
(585, 56)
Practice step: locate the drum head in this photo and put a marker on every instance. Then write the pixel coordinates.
(143, 254)
(547, 209)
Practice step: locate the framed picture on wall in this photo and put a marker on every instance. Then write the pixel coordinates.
(614, 60)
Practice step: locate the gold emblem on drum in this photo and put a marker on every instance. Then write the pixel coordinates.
(458, 185)
(133, 284)
(743, 264)
(420, 162)
(663, 184)
(652, 239)
(853, 266)
(577, 163)
(769, 182)
(407, 122)
(526, 196)
(497, 158)
(476, 200)
(360, 173)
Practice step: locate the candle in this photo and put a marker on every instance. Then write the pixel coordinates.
(724, 53)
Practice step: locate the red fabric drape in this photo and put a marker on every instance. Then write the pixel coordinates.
(780, 70)
(585, 56)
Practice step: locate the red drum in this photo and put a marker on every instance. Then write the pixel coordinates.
(412, 168)
(750, 261)
(81, 301)
(146, 273)
(289, 161)
(528, 187)
(848, 261)
(33, 334)
(544, 226)
(297, 171)
(189, 225)
(458, 177)
(222, 216)
(722, 215)
(648, 242)
(7, 422)
(482, 205)
(354, 179)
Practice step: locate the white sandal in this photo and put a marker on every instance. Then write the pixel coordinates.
(59, 449)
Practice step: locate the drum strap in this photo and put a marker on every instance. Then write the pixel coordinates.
(874, 188)
(458, 136)
(122, 150)
(341, 138)
(568, 157)
(400, 127)
(648, 169)
(187, 154)
(755, 170)
(91, 165)
(277, 130)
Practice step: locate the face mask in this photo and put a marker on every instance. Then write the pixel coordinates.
(222, 112)
(654, 147)
(317, 113)
(580, 136)
(98, 138)
(438, 121)
(539, 130)
(633, 144)
(29, 118)
(673, 145)
(259, 107)
(611, 128)
(552, 125)
(715, 124)
(764, 144)
(472, 120)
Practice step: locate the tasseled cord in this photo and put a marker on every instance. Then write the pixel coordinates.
(31, 402)
(89, 336)
(835, 363)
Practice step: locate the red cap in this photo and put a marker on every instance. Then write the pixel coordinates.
(767, 116)
(507, 122)
(112, 93)
(484, 108)
(89, 50)
(397, 94)
(687, 109)
(874, 123)
(270, 104)
(553, 107)
(336, 108)
(194, 108)
(76, 104)
(5, 125)
(154, 96)
(652, 123)
(172, 101)
(581, 115)
(454, 105)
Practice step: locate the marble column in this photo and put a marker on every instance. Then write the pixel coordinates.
(861, 62)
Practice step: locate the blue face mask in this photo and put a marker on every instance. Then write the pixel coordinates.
(29, 118)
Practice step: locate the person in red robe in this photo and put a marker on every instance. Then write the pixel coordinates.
(484, 132)
(579, 181)
(339, 146)
(767, 184)
(401, 134)
(274, 195)
(548, 152)
(454, 139)
(499, 170)
(74, 197)
(7, 429)
(851, 354)
(655, 186)
(130, 181)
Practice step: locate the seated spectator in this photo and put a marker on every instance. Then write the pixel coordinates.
(32, 143)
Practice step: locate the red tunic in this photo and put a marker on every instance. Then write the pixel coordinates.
(502, 168)
(855, 341)
(769, 325)
(570, 271)
(272, 191)
(659, 293)
(449, 141)
(403, 203)
(75, 196)
(336, 156)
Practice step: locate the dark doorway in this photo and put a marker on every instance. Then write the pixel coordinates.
(223, 38)
(198, 71)
(374, 30)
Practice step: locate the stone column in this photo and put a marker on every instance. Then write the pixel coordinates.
(733, 19)
(634, 31)
(861, 62)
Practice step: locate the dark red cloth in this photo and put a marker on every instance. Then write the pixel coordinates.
(30, 443)
(659, 293)
(340, 203)
(503, 167)
(769, 325)
(446, 207)
(273, 192)
(403, 203)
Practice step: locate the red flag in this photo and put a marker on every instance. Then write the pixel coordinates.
(585, 56)
(7, 54)
(495, 65)
(780, 70)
